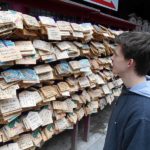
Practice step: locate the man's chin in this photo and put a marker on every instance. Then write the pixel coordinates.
(115, 72)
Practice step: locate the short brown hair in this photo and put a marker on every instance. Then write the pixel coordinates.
(136, 45)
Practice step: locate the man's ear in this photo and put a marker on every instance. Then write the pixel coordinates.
(131, 62)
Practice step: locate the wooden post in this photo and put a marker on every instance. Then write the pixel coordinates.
(74, 137)
(86, 128)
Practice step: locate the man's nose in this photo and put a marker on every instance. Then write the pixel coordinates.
(112, 57)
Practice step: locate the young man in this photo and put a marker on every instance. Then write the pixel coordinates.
(129, 125)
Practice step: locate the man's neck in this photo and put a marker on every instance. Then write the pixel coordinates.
(131, 79)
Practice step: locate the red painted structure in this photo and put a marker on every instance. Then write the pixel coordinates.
(69, 8)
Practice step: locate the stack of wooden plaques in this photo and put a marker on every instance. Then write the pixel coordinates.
(53, 73)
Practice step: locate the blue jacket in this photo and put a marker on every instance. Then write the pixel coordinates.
(129, 125)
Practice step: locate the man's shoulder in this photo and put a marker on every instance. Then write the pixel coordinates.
(141, 107)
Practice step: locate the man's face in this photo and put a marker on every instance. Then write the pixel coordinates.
(120, 64)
